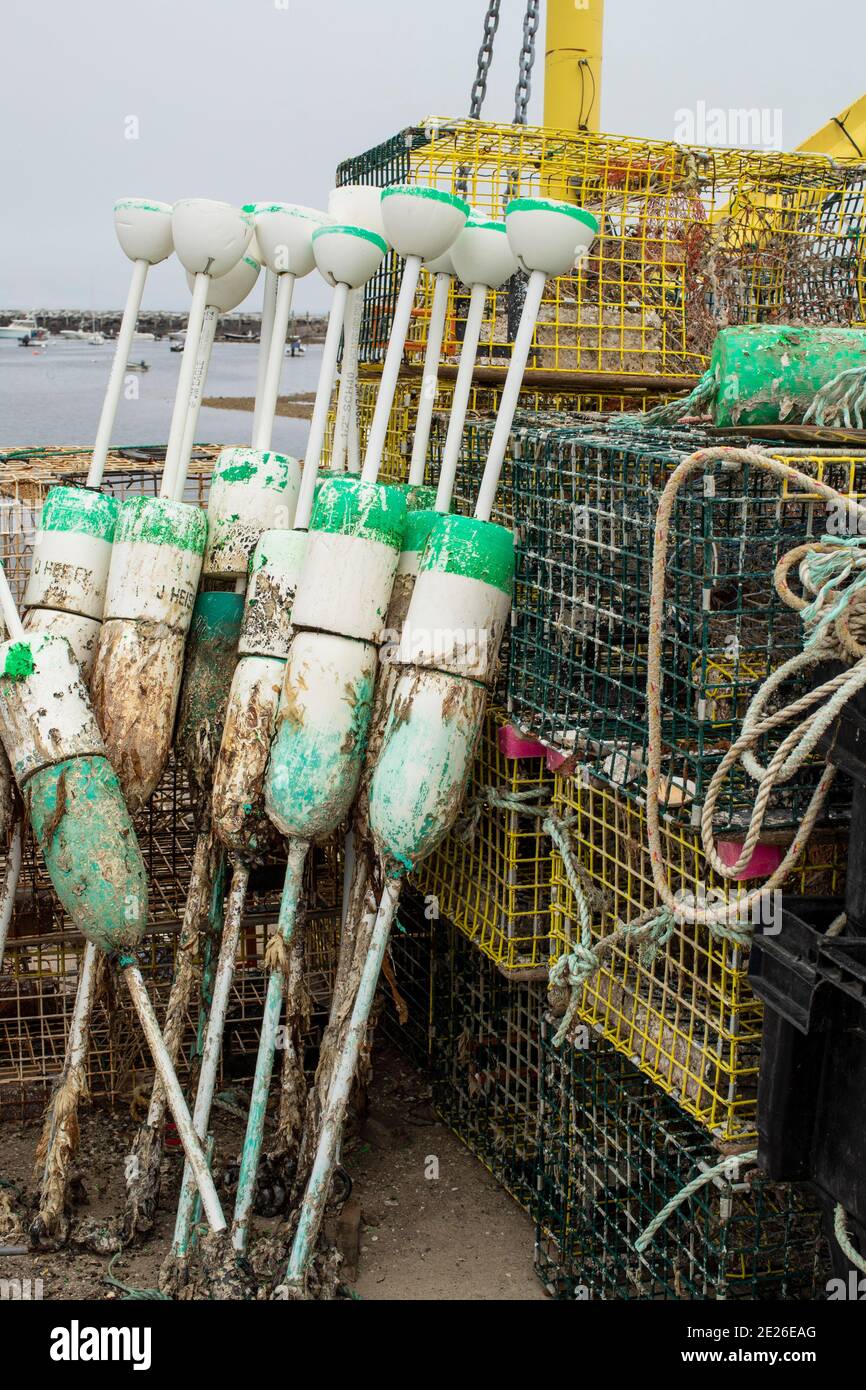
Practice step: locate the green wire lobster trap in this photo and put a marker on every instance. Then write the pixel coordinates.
(613, 1151)
(585, 501)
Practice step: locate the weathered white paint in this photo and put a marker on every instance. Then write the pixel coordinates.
(82, 634)
(275, 571)
(69, 573)
(135, 688)
(455, 624)
(46, 717)
(420, 777)
(239, 771)
(345, 585)
(321, 732)
(154, 583)
(241, 508)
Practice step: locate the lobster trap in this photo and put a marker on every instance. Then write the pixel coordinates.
(683, 1013)
(491, 876)
(585, 502)
(477, 1034)
(690, 239)
(613, 1151)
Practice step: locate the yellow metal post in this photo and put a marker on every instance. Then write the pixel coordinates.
(572, 64)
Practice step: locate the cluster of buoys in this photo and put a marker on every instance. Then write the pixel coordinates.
(290, 723)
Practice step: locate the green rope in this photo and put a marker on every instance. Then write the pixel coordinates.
(825, 574)
(699, 401)
(131, 1294)
(840, 1230)
(686, 1193)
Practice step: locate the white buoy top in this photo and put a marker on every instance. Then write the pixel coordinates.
(421, 221)
(143, 229)
(441, 265)
(482, 254)
(348, 255)
(210, 237)
(285, 235)
(227, 291)
(358, 205)
(547, 234)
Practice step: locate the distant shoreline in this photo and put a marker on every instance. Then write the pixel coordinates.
(298, 407)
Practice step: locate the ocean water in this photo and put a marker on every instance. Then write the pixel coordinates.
(53, 395)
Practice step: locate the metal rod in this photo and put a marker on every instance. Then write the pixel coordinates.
(9, 611)
(319, 421)
(10, 882)
(174, 471)
(212, 1047)
(267, 1039)
(117, 373)
(346, 415)
(391, 369)
(268, 305)
(460, 399)
(510, 396)
(430, 380)
(318, 1187)
(276, 352)
(162, 1061)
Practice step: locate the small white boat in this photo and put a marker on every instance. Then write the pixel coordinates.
(143, 337)
(26, 326)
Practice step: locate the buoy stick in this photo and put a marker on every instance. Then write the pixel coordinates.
(118, 370)
(390, 369)
(319, 1185)
(345, 448)
(319, 421)
(212, 1046)
(267, 1039)
(430, 378)
(174, 472)
(271, 388)
(510, 396)
(199, 376)
(268, 305)
(177, 1104)
(59, 1139)
(460, 399)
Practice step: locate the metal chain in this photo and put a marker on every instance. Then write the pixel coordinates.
(527, 59)
(485, 58)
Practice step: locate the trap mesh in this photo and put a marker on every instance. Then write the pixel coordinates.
(613, 1151)
(491, 876)
(691, 239)
(684, 1014)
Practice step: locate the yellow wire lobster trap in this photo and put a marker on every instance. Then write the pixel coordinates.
(691, 239)
(491, 876)
(683, 1013)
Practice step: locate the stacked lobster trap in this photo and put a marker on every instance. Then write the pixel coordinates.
(691, 239)
(43, 955)
(613, 1152)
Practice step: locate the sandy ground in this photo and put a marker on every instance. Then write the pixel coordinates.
(298, 407)
(434, 1224)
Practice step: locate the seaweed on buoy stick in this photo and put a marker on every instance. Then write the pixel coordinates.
(76, 808)
(481, 258)
(355, 538)
(464, 585)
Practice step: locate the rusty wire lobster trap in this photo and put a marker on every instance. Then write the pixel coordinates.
(684, 1013)
(491, 876)
(691, 239)
(613, 1151)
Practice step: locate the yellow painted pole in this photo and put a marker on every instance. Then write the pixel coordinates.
(842, 138)
(572, 64)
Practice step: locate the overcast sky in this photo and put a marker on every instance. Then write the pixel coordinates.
(247, 100)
